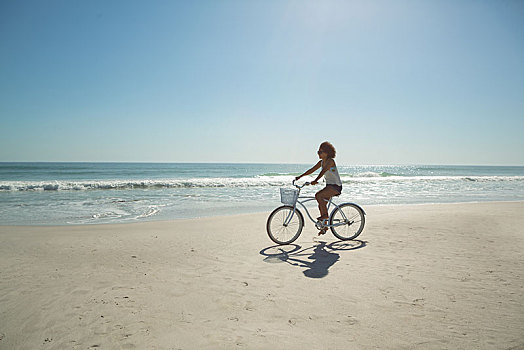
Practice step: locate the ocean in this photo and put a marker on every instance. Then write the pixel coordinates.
(91, 193)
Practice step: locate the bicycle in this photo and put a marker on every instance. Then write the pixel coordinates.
(285, 223)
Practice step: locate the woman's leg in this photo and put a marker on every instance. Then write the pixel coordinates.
(322, 196)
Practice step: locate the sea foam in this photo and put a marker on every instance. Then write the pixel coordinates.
(259, 181)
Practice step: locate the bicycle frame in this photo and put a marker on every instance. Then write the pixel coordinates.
(309, 199)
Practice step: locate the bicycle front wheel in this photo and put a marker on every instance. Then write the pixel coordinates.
(348, 221)
(283, 226)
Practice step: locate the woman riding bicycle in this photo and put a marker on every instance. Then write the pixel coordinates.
(326, 153)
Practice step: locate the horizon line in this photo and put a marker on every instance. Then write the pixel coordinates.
(262, 163)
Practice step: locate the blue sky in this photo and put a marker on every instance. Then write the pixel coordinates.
(387, 82)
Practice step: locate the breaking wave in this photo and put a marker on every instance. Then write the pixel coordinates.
(259, 181)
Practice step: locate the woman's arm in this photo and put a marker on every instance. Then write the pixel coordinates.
(311, 171)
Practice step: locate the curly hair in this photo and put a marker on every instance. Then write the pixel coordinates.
(329, 149)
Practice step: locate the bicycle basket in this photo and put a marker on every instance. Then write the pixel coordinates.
(288, 196)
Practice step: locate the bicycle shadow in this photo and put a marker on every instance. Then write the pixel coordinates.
(317, 259)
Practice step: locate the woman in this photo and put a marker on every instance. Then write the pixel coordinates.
(326, 153)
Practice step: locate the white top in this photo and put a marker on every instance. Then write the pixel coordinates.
(332, 177)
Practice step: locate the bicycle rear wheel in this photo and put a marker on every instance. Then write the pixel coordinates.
(281, 232)
(349, 221)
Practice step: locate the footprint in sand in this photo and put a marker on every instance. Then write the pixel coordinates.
(249, 306)
(350, 320)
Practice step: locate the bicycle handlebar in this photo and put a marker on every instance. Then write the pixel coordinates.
(305, 184)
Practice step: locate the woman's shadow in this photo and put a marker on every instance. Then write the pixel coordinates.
(317, 259)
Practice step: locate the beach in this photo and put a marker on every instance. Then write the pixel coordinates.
(425, 276)
(144, 145)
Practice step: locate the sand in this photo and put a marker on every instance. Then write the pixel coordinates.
(446, 276)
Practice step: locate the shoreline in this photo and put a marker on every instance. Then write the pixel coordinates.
(252, 213)
(433, 276)
(86, 193)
